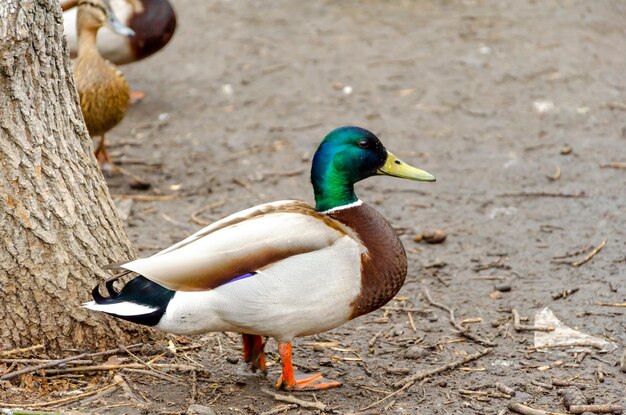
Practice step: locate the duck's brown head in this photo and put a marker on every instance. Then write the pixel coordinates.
(93, 14)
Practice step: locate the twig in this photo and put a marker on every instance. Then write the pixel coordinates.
(430, 372)
(19, 351)
(194, 386)
(484, 394)
(61, 361)
(523, 327)
(612, 304)
(527, 410)
(495, 264)
(505, 389)
(541, 384)
(616, 106)
(607, 408)
(408, 381)
(411, 322)
(106, 367)
(403, 388)
(590, 255)
(555, 346)
(463, 331)
(304, 404)
(570, 254)
(565, 293)
(151, 368)
(58, 401)
(565, 383)
(279, 409)
(127, 390)
(376, 336)
(613, 165)
(403, 309)
(32, 361)
(543, 194)
(140, 181)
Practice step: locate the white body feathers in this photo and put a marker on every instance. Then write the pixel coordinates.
(308, 290)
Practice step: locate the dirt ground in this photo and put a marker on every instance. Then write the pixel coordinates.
(517, 107)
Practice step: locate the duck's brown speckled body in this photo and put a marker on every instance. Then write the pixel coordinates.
(103, 91)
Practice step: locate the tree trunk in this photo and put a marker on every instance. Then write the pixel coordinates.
(58, 224)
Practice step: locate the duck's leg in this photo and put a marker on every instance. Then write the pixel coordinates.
(300, 382)
(103, 156)
(253, 351)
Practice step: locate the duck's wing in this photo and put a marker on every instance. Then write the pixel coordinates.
(242, 243)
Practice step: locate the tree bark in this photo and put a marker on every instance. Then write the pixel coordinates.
(58, 224)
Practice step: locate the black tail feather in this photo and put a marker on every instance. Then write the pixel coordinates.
(111, 289)
(97, 297)
(141, 291)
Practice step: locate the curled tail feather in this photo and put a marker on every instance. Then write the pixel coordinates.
(139, 301)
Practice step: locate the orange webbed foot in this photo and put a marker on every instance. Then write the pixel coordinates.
(299, 382)
(136, 97)
(307, 382)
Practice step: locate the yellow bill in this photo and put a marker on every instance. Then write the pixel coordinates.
(397, 168)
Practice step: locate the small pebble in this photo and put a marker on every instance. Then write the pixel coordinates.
(442, 384)
(566, 150)
(325, 361)
(543, 106)
(333, 374)
(435, 236)
(502, 287)
(573, 396)
(415, 352)
(232, 360)
(227, 89)
(398, 370)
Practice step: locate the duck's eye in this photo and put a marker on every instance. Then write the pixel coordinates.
(364, 143)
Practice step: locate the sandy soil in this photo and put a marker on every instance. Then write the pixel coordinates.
(493, 97)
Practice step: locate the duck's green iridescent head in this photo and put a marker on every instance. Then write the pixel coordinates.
(348, 155)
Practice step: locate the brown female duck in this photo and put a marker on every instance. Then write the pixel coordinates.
(103, 91)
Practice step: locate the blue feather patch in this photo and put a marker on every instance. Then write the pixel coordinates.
(241, 277)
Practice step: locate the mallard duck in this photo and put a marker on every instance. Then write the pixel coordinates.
(153, 22)
(283, 269)
(103, 91)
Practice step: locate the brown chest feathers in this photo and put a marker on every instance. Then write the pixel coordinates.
(384, 266)
(103, 92)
